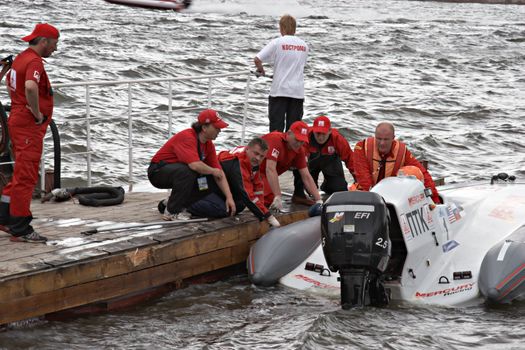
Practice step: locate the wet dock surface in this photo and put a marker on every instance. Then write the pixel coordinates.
(73, 269)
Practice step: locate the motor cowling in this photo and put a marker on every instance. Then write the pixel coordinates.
(356, 242)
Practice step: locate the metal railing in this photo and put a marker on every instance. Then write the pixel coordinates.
(88, 119)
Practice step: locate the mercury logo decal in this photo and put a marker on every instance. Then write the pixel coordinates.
(447, 291)
(337, 217)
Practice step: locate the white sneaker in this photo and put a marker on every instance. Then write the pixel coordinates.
(182, 216)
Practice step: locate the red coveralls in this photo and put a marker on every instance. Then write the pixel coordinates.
(245, 181)
(26, 136)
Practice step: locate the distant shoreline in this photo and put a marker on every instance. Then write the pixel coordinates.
(501, 2)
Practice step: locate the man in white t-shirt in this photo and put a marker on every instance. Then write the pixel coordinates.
(288, 54)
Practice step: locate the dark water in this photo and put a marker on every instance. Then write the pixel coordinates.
(450, 76)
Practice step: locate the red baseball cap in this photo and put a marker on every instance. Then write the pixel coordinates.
(211, 116)
(321, 124)
(44, 30)
(300, 130)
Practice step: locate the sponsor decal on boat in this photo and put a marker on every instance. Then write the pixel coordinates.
(448, 246)
(315, 282)
(416, 199)
(428, 215)
(405, 227)
(453, 213)
(503, 213)
(415, 223)
(447, 291)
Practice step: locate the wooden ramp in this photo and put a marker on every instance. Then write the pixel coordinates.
(74, 270)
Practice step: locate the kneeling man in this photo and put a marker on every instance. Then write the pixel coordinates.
(241, 166)
(188, 165)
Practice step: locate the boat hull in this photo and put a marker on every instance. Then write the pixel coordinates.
(437, 251)
(175, 5)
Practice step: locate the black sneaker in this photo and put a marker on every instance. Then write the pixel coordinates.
(162, 206)
(32, 237)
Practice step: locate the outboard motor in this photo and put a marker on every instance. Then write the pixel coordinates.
(356, 242)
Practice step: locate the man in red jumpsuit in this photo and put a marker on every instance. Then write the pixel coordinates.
(285, 151)
(382, 156)
(241, 166)
(31, 111)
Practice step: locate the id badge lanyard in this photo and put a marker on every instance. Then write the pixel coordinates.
(202, 181)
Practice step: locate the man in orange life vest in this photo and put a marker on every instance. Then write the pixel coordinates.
(31, 112)
(285, 150)
(382, 156)
(326, 149)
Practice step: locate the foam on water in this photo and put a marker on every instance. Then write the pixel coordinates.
(251, 7)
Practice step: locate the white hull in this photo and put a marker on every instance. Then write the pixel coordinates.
(444, 247)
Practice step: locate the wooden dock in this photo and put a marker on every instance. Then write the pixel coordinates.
(73, 271)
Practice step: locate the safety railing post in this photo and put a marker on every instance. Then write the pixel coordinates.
(209, 92)
(42, 170)
(170, 108)
(130, 141)
(88, 135)
(246, 99)
(170, 80)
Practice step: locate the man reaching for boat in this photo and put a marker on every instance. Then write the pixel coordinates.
(285, 151)
(326, 151)
(241, 166)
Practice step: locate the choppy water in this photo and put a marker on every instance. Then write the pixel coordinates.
(450, 76)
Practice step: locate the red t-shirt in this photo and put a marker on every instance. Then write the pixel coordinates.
(279, 152)
(182, 148)
(28, 65)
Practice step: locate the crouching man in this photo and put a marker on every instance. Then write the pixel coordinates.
(285, 151)
(188, 165)
(241, 166)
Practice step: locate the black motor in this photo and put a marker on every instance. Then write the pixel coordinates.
(356, 242)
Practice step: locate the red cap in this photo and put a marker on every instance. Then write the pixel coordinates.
(321, 124)
(44, 30)
(300, 130)
(210, 116)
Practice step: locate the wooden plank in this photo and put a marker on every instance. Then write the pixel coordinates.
(126, 262)
(107, 288)
(122, 263)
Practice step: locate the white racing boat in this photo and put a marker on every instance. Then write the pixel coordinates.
(176, 5)
(395, 243)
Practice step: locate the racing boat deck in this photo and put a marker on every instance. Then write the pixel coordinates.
(96, 271)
